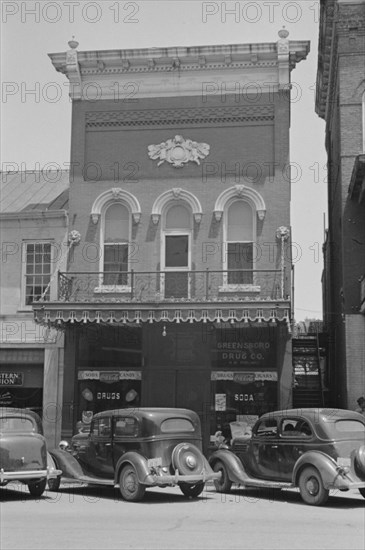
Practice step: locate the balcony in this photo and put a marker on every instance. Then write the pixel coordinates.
(136, 296)
(172, 286)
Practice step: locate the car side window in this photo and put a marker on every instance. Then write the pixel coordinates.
(292, 427)
(125, 426)
(101, 427)
(267, 428)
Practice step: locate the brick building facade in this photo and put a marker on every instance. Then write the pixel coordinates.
(340, 102)
(178, 289)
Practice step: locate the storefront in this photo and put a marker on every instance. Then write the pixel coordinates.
(222, 371)
(21, 378)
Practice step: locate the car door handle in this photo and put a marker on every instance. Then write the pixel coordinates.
(274, 446)
(107, 444)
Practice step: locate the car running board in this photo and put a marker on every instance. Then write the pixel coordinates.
(90, 480)
(266, 483)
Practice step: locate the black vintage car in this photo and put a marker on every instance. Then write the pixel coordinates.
(134, 449)
(313, 449)
(23, 452)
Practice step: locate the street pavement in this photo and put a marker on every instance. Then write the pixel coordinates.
(80, 517)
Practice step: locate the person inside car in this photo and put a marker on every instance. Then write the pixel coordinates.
(361, 408)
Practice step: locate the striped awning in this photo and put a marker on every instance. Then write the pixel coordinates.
(55, 314)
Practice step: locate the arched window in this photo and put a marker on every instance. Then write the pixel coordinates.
(239, 229)
(176, 254)
(116, 244)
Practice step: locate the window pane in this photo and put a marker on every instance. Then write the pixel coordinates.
(178, 217)
(16, 424)
(177, 247)
(177, 425)
(240, 222)
(349, 426)
(240, 256)
(38, 271)
(115, 261)
(126, 426)
(267, 428)
(116, 224)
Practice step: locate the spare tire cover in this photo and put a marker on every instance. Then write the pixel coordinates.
(187, 458)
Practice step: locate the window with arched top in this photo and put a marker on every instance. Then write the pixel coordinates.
(176, 250)
(116, 237)
(239, 239)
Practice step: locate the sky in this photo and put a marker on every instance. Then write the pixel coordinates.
(36, 109)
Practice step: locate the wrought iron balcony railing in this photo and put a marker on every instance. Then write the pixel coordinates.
(172, 286)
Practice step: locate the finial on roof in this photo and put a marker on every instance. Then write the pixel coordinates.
(283, 33)
(73, 43)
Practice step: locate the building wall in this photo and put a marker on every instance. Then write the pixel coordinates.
(32, 350)
(253, 149)
(245, 370)
(345, 263)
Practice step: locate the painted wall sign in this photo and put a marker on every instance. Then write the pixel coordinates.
(250, 348)
(109, 376)
(21, 356)
(220, 402)
(244, 376)
(11, 378)
(108, 395)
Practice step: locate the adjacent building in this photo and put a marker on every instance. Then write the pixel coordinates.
(340, 101)
(177, 290)
(34, 245)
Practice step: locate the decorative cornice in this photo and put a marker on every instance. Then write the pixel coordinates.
(185, 69)
(181, 58)
(197, 116)
(170, 68)
(336, 18)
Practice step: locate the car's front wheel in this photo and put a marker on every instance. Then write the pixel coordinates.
(54, 484)
(311, 487)
(224, 484)
(37, 489)
(191, 491)
(129, 486)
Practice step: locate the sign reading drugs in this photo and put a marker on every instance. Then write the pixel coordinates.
(11, 378)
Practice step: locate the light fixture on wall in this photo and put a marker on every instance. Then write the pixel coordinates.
(164, 330)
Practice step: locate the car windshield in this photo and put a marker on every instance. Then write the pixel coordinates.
(16, 424)
(177, 425)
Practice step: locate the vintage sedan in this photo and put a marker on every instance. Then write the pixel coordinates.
(23, 452)
(134, 449)
(313, 449)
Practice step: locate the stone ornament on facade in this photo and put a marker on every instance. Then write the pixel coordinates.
(282, 233)
(74, 237)
(283, 43)
(178, 151)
